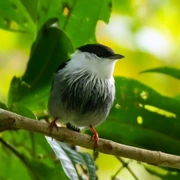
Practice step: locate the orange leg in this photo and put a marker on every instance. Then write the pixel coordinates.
(52, 125)
(95, 136)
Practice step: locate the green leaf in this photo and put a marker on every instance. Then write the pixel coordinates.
(14, 17)
(11, 167)
(18, 165)
(48, 9)
(142, 117)
(39, 170)
(177, 97)
(163, 173)
(51, 48)
(18, 89)
(132, 93)
(70, 158)
(31, 7)
(34, 157)
(89, 163)
(171, 71)
(77, 21)
(22, 110)
(82, 21)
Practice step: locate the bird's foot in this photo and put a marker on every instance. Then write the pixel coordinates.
(95, 137)
(53, 125)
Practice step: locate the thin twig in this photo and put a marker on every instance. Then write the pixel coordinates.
(117, 172)
(74, 138)
(126, 165)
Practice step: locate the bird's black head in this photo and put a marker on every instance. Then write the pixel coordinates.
(100, 51)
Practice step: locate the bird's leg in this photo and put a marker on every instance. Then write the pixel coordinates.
(95, 136)
(52, 125)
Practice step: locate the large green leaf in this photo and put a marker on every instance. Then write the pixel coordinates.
(31, 7)
(171, 71)
(75, 19)
(70, 158)
(132, 93)
(89, 163)
(51, 48)
(142, 117)
(13, 16)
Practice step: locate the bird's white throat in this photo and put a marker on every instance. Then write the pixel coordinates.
(102, 67)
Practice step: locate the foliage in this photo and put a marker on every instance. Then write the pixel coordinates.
(140, 116)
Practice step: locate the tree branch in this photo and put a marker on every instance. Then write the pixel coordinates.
(9, 120)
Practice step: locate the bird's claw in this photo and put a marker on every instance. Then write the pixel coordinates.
(96, 139)
(52, 125)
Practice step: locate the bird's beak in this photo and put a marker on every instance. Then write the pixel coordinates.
(116, 56)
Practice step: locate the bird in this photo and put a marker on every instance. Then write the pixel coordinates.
(83, 89)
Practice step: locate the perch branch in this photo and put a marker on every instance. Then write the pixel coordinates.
(9, 120)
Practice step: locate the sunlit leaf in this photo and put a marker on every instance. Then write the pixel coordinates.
(177, 97)
(22, 110)
(15, 17)
(75, 20)
(171, 71)
(132, 93)
(70, 158)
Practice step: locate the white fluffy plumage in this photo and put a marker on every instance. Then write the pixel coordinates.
(83, 90)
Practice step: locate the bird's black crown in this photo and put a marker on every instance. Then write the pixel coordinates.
(100, 51)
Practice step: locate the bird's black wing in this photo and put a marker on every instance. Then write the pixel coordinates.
(63, 65)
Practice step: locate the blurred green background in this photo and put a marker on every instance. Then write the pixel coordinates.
(146, 32)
